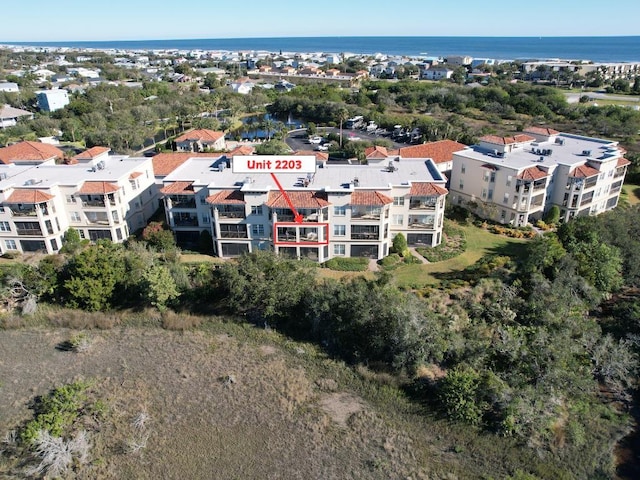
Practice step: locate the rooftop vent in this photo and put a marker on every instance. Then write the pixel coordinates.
(586, 152)
(560, 141)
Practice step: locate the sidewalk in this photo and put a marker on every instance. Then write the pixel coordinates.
(417, 255)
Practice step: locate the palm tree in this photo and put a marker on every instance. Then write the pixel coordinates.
(343, 114)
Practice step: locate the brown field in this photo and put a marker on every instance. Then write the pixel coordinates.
(229, 401)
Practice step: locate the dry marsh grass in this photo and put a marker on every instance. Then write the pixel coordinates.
(233, 401)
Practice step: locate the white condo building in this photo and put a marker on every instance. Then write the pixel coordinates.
(517, 179)
(107, 197)
(347, 210)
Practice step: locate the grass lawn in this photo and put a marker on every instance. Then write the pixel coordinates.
(199, 258)
(479, 243)
(630, 194)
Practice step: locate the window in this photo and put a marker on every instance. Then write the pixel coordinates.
(509, 179)
(5, 227)
(71, 199)
(461, 185)
(75, 217)
(492, 177)
(54, 244)
(397, 219)
(340, 211)
(10, 244)
(484, 193)
(1, 209)
(118, 234)
(339, 249)
(339, 230)
(505, 199)
(134, 184)
(257, 229)
(203, 200)
(463, 168)
(398, 201)
(114, 214)
(490, 194)
(205, 219)
(256, 210)
(485, 176)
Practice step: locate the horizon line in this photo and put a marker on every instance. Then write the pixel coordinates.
(31, 42)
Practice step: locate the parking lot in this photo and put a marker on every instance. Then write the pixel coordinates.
(299, 140)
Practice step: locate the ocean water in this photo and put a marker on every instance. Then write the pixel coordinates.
(597, 49)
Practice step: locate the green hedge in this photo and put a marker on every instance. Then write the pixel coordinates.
(353, 264)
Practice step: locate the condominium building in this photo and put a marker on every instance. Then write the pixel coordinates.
(516, 179)
(345, 210)
(107, 198)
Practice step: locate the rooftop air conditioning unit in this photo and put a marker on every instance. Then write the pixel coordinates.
(586, 152)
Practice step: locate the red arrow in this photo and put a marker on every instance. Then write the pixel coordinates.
(296, 216)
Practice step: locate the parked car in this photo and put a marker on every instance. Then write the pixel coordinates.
(322, 148)
(315, 140)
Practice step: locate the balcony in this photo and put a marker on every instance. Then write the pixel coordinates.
(370, 233)
(25, 212)
(185, 221)
(231, 234)
(97, 218)
(233, 231)
(231, 213)
(97, 201)
(423, 204)
(422, 221)
(366, 214)
(183, 201)
(29, 232)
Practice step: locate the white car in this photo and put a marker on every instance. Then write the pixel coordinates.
(315, 140)
(322, 148)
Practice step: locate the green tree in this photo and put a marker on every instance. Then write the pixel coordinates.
(92, 276)
(400, 245)
(273, 147)
(459, 392)
(159, 286)
(553, 215)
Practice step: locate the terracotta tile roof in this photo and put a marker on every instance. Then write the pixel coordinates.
(494, 139)
(28, 195)
(369, 197)
(29, 151)
(227, 197)
(622, 162)
(135, 175)
(425, 189)
(300, 199)
(178, 188)
(532, 173)
(584, 171)
(165, 163)
(98, 188)
(202, 135)
(376, 151)
(440, 152)
(242, 150)
(541, 131)
(323, 156)
(91, 153)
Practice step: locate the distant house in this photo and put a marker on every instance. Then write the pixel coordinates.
(284, 86)
(9, 116)
(200, 140)
(436, 73)
(9, 87)
(52, 100)
(30, 153)
(243, 86)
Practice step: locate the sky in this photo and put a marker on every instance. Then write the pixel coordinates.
(42, 21)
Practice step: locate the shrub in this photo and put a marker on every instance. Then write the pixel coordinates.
(56, 412)
(346, 264)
